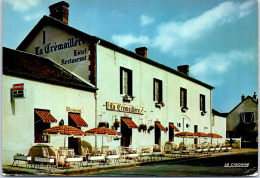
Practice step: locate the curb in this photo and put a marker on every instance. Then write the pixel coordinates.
(88, 170)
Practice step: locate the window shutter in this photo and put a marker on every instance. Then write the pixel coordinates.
(154, 89)
(130, 83)
(160, 91)
(121, 81)
(185, 98)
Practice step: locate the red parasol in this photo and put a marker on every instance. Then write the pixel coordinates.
(103, 131)
(65, 130)
(184, 134)
(200, 134)
(214, 135)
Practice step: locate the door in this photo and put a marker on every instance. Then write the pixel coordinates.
(171, 134)
(126, 133)
(157, 135)
(195, 130)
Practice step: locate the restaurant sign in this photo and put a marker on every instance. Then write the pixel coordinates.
(124, 108)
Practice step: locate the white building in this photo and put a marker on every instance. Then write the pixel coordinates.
(132, 89)
(47, 95)
(218, 123)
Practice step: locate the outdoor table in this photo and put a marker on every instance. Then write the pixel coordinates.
(156, 154)
(21, 158)
(79, 160)
(148, 155)
(48, 161)
(98, 158)
(113, 157)
(132, 156)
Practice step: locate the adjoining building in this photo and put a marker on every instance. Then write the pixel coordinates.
(242, 121)
(38, 94)
(218, 123)
(144, 100)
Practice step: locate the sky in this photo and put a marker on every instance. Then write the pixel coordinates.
(218, 39)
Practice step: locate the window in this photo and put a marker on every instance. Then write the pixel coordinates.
(202, 102)
(40, 125)
(125, 81)
(247, 117)
(183, 98)
(157, 90)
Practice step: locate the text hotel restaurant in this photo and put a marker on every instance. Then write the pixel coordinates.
(86, 82)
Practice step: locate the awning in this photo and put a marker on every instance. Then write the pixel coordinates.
(173, 126)
(78, 120)
(45, 116)
(160, 126)
(129, 123)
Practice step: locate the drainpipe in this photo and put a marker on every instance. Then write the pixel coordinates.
(95, 95)
(210, 114)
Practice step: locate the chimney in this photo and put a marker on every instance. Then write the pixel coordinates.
(184, 69)
(254, 96)
(141, 51)
(242, 97)
(60, 11)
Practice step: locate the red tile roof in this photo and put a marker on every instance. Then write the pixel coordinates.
(78, 120)
(64, 130)
(160, 126)
(45, 116)
(173, 126)
(129, 123)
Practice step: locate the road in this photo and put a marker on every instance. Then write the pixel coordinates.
(226, 165)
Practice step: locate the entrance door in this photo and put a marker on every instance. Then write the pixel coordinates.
(126, 133)
(195, 130)
(157, 135)
(171, 134)
(74, 143)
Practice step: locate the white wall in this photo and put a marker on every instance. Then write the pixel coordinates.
(18, 114)
(219, 127)
(108, 67)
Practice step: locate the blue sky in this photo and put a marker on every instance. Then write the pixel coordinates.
(217, 38)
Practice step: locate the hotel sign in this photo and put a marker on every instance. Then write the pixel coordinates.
(124, 108)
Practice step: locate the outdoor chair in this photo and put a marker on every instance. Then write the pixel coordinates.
(198, 149)
(175, 150)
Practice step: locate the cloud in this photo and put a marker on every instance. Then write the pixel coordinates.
(177, 35)
(145, 20)
(33, 17)
(22, 5)
(210, 67)
(125, 40)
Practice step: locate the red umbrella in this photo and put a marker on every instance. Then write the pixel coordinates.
(102, 131)
(184, 134)
(214, 135)
(200, 134)
(65, 130)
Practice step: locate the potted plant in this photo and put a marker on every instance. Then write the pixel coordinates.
(184, 109)
(127, 98)
(142, 127)
(151, 127)
(116, 124)
(159, 104)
